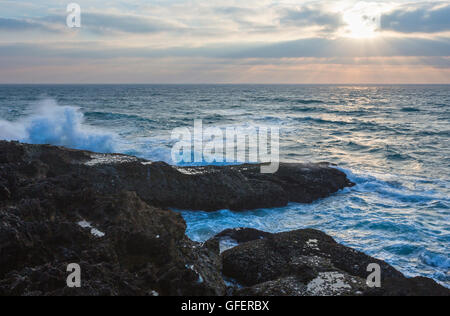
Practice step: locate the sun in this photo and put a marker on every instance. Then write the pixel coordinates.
(362, 21)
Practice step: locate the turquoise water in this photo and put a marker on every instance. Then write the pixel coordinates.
(393, 141)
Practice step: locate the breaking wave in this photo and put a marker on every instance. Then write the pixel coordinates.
(57, 125)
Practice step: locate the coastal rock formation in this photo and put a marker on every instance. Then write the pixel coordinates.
(159, 184)
(54, 211)
(309, 262)
(123, 246)
(108, 213)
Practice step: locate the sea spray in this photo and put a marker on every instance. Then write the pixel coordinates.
(57, 125)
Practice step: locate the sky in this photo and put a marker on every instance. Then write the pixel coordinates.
(226, 41)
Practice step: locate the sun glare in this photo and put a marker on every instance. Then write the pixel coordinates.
(362, 21)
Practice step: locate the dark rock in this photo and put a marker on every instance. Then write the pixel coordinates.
(143, 248)
(60, 212)
(207, 188)
(36, 169)
(309, 262)
(4, 193)
(231, 237)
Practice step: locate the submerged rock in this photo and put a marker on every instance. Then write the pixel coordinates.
(309, 262)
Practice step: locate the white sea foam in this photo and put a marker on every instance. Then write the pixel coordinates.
(436, 260)
(57, 125)
(226, 244)
(376, 183)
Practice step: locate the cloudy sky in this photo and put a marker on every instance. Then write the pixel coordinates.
(226, 41)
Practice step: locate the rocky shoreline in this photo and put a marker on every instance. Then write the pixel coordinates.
(110, 214)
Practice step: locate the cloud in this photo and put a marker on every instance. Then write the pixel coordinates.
(234, 11)
(98, 23)
(221, 40)
(193, 70)
(102, 23)
(420, 18)
(324, 48)
(251, 20)
(312, 16)
(18, 25)
(212, 20)
(303, 48)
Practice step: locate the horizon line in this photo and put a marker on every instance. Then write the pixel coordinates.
(232, 84)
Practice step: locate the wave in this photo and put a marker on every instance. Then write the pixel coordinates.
(445, 133)
(57, 125)
(304, 109)
(357, 146)
(107, 116)
(308, 101)
(410, 109)
(390, 190)
(392, 154)
(403, 249)
(358, 124)
(321, 121)
(288, 100)
(435, 260)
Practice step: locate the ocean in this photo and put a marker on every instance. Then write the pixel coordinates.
(392, 141)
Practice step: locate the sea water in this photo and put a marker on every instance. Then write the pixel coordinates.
(392, 141)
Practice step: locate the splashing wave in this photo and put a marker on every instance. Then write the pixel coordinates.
(57, 125)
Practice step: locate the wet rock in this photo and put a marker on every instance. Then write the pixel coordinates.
(207, 188)
(309, 262)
